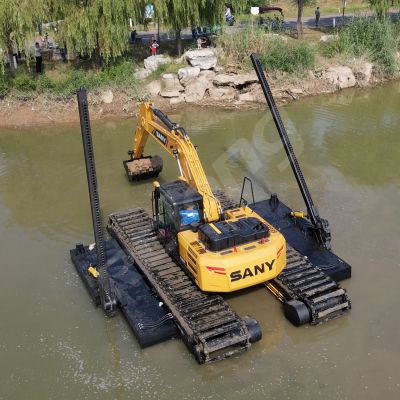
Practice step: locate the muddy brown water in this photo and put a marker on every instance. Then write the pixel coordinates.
(55, 345)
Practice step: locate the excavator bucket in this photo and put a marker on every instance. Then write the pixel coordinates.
(143, 168)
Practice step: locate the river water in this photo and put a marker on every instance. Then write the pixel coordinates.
(55, 345)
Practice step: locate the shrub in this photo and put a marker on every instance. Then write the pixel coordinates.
(4, 87)
(275, 53)
(289, 57)
(369, 37)
(24, 83)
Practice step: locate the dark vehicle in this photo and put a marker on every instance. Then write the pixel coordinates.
(274, 20)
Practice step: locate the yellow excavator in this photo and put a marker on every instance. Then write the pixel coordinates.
(164, 271)
(223, 249)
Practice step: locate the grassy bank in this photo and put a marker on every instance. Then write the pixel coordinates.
(276, 52)
(377, 41)
(60, 79)
(363, 38)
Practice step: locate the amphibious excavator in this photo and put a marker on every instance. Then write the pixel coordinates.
(198, 243)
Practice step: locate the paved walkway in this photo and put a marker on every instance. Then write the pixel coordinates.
(290, 23)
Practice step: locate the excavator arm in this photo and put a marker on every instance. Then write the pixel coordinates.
(173, 138)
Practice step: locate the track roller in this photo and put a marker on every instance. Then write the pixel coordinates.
(253, 327)
(296, 312)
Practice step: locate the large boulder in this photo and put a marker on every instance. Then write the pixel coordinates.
(328, 38)
(154, 88)
(177, 100)
(235, 80)
(276, 36)
(107, 97)
(188, 72)
(170, 86)
(363, 72)
(196, 89)
(341, 77)
(202, 58)
(208, 74)
(222, 93)
(142, 73)
(246, 97)
(153, 62)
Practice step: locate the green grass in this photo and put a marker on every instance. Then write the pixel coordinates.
(369, 38)
(277, 53)
(60, 81)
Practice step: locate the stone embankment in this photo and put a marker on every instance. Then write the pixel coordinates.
(200, 81)
(203, 81)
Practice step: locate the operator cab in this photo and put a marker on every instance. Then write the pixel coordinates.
(176, 207)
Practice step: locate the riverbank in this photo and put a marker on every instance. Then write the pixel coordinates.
(220, 76)
(107, 104)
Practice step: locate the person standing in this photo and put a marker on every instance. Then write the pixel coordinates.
(38, 58)
(153, 47)
(317, 16)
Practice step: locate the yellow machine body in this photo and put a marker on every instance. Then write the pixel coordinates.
(234, 268)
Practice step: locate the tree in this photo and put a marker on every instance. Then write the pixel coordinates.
(381, 7)
(179, 14)
(18, 19)
(98, 28)
(300, 5)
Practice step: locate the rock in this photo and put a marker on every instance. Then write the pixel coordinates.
(188, 72)
(341, 77)
(142, 73)
(180, 60)
(154, 88)
(168, 77)
(276, 36)
(153, 62)
(170, 86)
(222, 93)
(246, 97)
(202, 58)
(363, 72)
(177, 100)
(297, 91)
(328, 38)
(218, 68)
(208, 74)
(196, 88)
(107, 97)
(235, 80)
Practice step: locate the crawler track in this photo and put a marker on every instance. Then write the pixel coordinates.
(303, 281)
(209, 327)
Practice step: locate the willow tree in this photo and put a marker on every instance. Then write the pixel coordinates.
(18, 19)
(381, 7)
(179, 14)
(300, 5)
(98, 28)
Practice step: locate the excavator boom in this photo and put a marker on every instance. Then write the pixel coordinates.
(173, 138)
